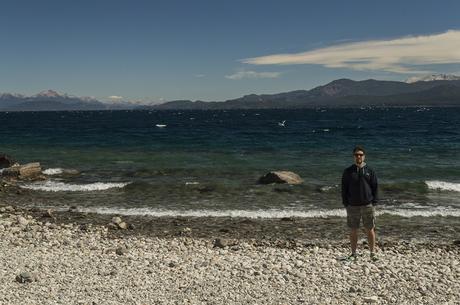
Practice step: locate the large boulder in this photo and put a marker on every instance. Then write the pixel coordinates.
(27, 171)
(6, 161)
(280, 177)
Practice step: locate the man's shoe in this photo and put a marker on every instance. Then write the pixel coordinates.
(374, 257)
(352, 257)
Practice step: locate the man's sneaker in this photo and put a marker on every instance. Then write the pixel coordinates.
(374, 257)
(352, 257)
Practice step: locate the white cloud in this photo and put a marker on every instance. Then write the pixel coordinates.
(115, 97)
(401, 55)
(199, 75)
(252, 74)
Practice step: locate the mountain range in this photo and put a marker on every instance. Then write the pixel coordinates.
(342, 93)
(50, 100)
(433, 90)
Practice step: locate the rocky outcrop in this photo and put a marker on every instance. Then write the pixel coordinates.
(280, 177)
(6, 161)
(29, 171)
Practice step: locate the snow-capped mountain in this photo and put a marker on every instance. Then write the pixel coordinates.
(49, 93)
(49, 100)
(432, 77)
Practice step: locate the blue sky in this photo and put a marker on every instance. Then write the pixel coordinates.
(217, 50)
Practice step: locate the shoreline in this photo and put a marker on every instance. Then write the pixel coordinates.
(51, 257)
(332, 230)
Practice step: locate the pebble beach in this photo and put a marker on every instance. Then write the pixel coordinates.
(45, 260)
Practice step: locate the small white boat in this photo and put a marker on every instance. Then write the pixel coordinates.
(160, 125)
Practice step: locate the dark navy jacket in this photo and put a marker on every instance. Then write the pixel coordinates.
(359, 186)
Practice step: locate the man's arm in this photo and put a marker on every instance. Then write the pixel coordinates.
(374, 188)
(344, 189)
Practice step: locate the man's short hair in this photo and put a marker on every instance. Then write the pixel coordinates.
(359, 148)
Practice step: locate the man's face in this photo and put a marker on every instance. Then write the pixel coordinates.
(359, 157)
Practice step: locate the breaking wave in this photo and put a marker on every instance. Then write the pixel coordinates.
(443, 186)
(53, 186)
(320, 213)
(53, 171)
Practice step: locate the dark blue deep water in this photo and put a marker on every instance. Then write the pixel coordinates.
(206, 162)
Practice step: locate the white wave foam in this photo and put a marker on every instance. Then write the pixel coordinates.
(320, 213)
(53, 171)
(53, 186)
(443, 186)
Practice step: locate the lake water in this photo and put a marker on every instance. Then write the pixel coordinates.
(208, 162)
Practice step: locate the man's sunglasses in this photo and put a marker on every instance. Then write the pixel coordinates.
(359, 155)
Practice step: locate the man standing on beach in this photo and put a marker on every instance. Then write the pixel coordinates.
(359, 196)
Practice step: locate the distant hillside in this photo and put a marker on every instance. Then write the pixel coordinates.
(342, 93)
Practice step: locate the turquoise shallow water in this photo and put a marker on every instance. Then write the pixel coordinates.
(210, 160)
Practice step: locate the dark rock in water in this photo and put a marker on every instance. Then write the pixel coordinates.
(6, 161)
(24, 277)
(70, 172)
(280, 177)
(205, 189)
(457, 242)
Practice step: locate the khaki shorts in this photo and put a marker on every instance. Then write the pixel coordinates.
(355, 213)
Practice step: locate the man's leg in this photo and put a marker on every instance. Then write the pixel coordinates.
(369, 225)
(371, 239)
(353, 220)
(354, 240)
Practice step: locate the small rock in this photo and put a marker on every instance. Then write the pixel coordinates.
(22, 221)
(123, 225)
(186, 231)
(220, 243)
(9, 208)
(48, 213)
(372, 299)
(116, 220)
(121, 251)
(24, 277)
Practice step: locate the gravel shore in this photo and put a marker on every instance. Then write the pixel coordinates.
(44, 261)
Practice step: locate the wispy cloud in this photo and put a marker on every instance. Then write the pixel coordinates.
(252, 74)
(401, 55)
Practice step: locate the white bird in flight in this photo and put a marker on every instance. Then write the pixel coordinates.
(282, 123)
